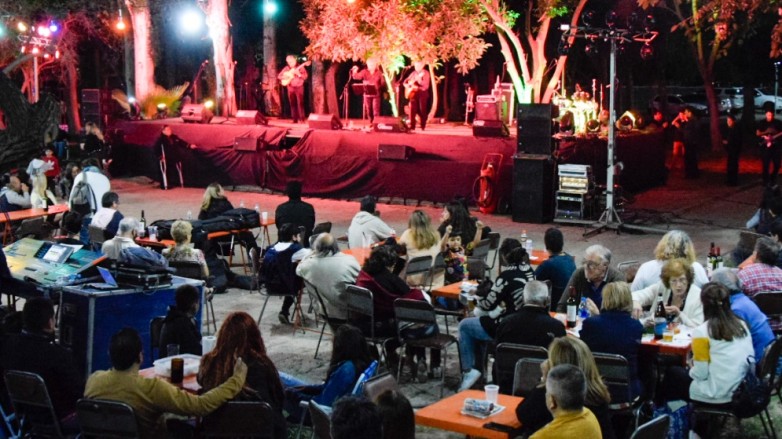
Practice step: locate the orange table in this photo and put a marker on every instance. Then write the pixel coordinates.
(361, 253)
(450, 291)
(446, 415)
(189, 384)
(265, 238)
(537, 256)
(19, 215)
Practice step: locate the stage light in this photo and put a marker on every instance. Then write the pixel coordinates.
(57, 54)
(647, 52)
(161, 106)
(209, 104)
(591, 49)
(44, 31)
(53, 28)
(611, 18)
(564, 27)
(46, 55)
(21, 26)
(120, 24)
(35, 51)
(269, 7)
(191, 21)
(23, 49)
(131, 99)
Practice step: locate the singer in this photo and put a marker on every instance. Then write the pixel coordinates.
(374, 77)
(417, 91)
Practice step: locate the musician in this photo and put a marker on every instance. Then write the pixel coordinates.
(687, 124)
(374, 77)
(295, 75)
(417, 88)
(731, 139)
(768, 130)
(169, 150)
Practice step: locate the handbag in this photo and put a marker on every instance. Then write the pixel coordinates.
(753, 394)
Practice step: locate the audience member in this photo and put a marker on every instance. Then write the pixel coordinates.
(590, 279)
(330, 271)
(183, 251)
(108, 217)
(53, 172)
(398, 416)
(421, 239)
(680, 296)
(70, 226)
(294, 211)
(180, 326)
(615, 331)
(456, 215)
(214, 202)
(240, 336)
(40, 195)
(278, 269)
(355, 417)
(366, 227)
(566, 393)
(152, 397)
(763, 275)
(559, 266)
(93, 140)
(768, 212)
(455, 261)
(15, 194)
(125, 238)
(674, 244)
(72, 169)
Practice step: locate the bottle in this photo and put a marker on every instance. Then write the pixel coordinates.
(572, 308)
(720, 262)
(710, 260)
(583, 311)
(142, 225)
(257, 208)
(189, 215)
(523, 238)
(241, 203)
(660, 318)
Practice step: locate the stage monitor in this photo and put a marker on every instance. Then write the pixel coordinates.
(196, 113)
(250, 117)
(394, 152)
(489, 128)
(388, 124)
(247, 144)
(324, 122)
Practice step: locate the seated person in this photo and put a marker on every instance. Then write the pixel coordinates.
(566, 394)
(680, 296)
(422, 239)
(125, 238)
(763, 275)
(71, 226)
(183, 251)
(397, 413)
(456, 215)
(214, 204)
(35, 350)
(366, 227)
(455, 261)
(296, 212)
(239, 336)
(590, 279)
(15, 195)
(674, 244)
(152, 397)
(278, 270)
(180, 325)
(330, 271)
(559, 266)
(108, 217)
(355, 417)
(41, 196)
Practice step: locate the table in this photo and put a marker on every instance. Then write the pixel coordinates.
(190, 383)
(265, 239)
(19, 215)
(450, 291)
(360, 253)
(446, 415)
(537, 256)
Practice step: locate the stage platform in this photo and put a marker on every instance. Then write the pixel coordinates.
(445, 161)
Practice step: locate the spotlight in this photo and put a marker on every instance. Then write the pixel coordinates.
(131, 99)
(209, 104)
(120, 24)
(191, 21)
(53, 27)
(588, 18)
(269, 7)
(161, 106)
(647, 52)
(564, 48)
(35, 51)
(21, 26)
(591, 49)
(44, 31)
(611, 18)
(57, 54)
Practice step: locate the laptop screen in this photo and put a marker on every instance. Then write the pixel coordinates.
(107, 277)
(57, 253)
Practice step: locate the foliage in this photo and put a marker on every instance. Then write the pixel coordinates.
(159, 95)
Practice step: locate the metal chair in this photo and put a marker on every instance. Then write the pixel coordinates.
(768, 368)
(526, 376)
(97, 238)
(420, 313)
(506, 355)
(615, 371)
(629, 267)
(494, 244)
(657, 428)
(417, 266)
(155, 328)
(32, 405)
(9, 421)
(360, 301)
(323, 312)
(481, 250)
(378, 384)
(194, 270)
(256, 263)
(240, 419)
(770, 302)
(102, 419)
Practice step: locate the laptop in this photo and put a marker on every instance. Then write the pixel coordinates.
(109, 283)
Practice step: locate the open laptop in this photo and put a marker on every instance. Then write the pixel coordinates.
(109, 283)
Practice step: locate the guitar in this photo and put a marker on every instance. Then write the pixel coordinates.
(288, 76)
(767, 140)
(469, 106)
(411, 85)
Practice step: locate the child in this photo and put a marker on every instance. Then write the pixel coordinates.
(455, 259)
(54, 170)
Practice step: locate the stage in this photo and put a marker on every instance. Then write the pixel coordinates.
(445, 161)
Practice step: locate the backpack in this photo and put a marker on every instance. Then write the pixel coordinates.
(753, 394)
(82, 198)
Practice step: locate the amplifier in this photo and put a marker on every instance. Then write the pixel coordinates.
(394, 152)
(246, 144)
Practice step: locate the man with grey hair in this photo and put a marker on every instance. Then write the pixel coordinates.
(763, 275)
(125, 238)
(589, 279)
(330, 271)
(747, 310)
(565, 394)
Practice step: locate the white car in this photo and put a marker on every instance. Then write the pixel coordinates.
(731, 98)
(674, 105)
(762, 98)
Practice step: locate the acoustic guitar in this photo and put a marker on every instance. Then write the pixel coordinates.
(767, 140)
(288, 76)
(411, 85)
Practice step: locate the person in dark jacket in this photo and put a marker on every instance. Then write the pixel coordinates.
(278, 270)
(559, 266)
(214, 202)
(732, 139)
(170, 151)
(590, 279)
(180, 326)
(296, 212)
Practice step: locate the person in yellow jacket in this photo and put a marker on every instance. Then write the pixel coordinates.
(565, 393)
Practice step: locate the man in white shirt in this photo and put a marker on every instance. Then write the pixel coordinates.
(367, 228)
(125, 238)
(15, 195)
(108, 217)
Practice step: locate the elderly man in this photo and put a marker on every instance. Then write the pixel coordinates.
(590, 279)
(125, 238)
(763, 275)
(565, 393)
(531, 325)
(367, 228)
(330, 271)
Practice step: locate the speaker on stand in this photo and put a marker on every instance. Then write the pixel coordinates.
(533, 188)
(535, 128)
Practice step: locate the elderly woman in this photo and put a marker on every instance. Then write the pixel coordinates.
(674, 244)
(182, 250)
(591, 278)
(614, 330)
(680, 296)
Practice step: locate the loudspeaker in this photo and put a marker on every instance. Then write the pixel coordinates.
(92, 106)
(246, 144)
(196, 113)
(394, 152)
(489, 128)
(250, 117)
(487, 108)
(389, 124)
(324, 122)
(533, 188)
(534, 128)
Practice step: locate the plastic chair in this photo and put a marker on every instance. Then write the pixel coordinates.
(506, 355)
(360, 301)
(770, 302)
(526, 376)
(657, 428)
(101, 419)
(32, 405)
(378, 384)
(194, 270)
(97, 237)
(246, 419)
(321, 420)
(323, 312)
(420, 313)
(155, 328)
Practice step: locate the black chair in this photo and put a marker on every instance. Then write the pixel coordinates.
(770, 303)
(615, 371)
(767, 366)
(494, 245)
(419, 265)
(9, 423)
(322, 312)
(360, 301)
(481, 250)
(155, 328)
(324, 227)
(32, 405)
(102, 419)
(237, 419)
(194, 270)
(97, 237)
(657, 428)
(256, 263)
(526, 376)
(31, 227)
(378, 384)
(506, 355)
(420, 313)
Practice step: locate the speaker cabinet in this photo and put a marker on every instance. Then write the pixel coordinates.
(250, 117)
(196, 113)
(489, 128)
(533, 188)
(246, 144)
(394, 152)
(324, 122)
(534, 128)
(387, 124)
(487, 108)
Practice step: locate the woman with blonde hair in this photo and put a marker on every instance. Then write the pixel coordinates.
(214, 202)
(421, 239)
(182, 232)
(680, 296)
(675, 244)
(41, 196)
(533, 413)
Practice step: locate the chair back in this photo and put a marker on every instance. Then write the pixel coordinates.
(615, 371)
(770, 302)
(767, 368)
(408, 311)
(240, 419)
(506, 355)
(481, 250)
(189, 269)
(360, 301)
(155, 329)
(378, 384)
(32, 405)
(97, 238)
(31, 227)
(102, 419)
(321, 421)
(657, 428)
(526, 376)
(418, 265)
(747, 239)
(476, 267)
(312, 290)
(324, 227)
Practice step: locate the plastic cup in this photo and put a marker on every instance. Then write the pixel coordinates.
(264, 216)
(177, 370)
(153, 233)
(492, 390)
(668, 336)
(207, 344)
(172, 349)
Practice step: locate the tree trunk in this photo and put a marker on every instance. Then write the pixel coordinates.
(318, 91)
(332, 100)
(222, 44)
(435, 93)
(142, 54)
(72, 92)
(270, 84)
(714, 111)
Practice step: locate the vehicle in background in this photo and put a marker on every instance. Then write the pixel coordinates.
(698, 100)
(763, 98)
(672, 105)
(732, 98)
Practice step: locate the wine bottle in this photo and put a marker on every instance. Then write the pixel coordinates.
(660, 318)
(142, 225)
(720, 262)
(572, 308)
(710, 260)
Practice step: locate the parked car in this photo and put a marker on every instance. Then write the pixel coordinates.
(673, 104)
(732, 98)
(763, 98)
(698, 100)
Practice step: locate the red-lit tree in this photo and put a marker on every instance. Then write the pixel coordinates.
(143, 60)
(223, 57)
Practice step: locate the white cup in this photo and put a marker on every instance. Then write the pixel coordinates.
(264, 216)
(492, 390)
(207, 344)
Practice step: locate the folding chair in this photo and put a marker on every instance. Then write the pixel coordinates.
(615, 371)
(421, 265)
(770, 302)
(99, 419)
(323, 312)
(494, 244)
(97, 238)
(526, 376)
(657, 428)
(506, 355)
(320, 416)
(9, 421)
(481, 250)
(361, 302)
(155, 329)
(32, 405)
(193, 270)
(768, 368)
(246, 419)
(256, 262)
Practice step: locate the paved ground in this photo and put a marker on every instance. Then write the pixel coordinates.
(705, 208)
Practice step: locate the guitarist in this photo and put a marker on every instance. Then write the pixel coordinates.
(769, 130)
(293, 77)
(370, 76)
(417, 91)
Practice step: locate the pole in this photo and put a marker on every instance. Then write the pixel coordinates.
(611, 137)
(776, 85)
(35, 79)
(127, 65)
